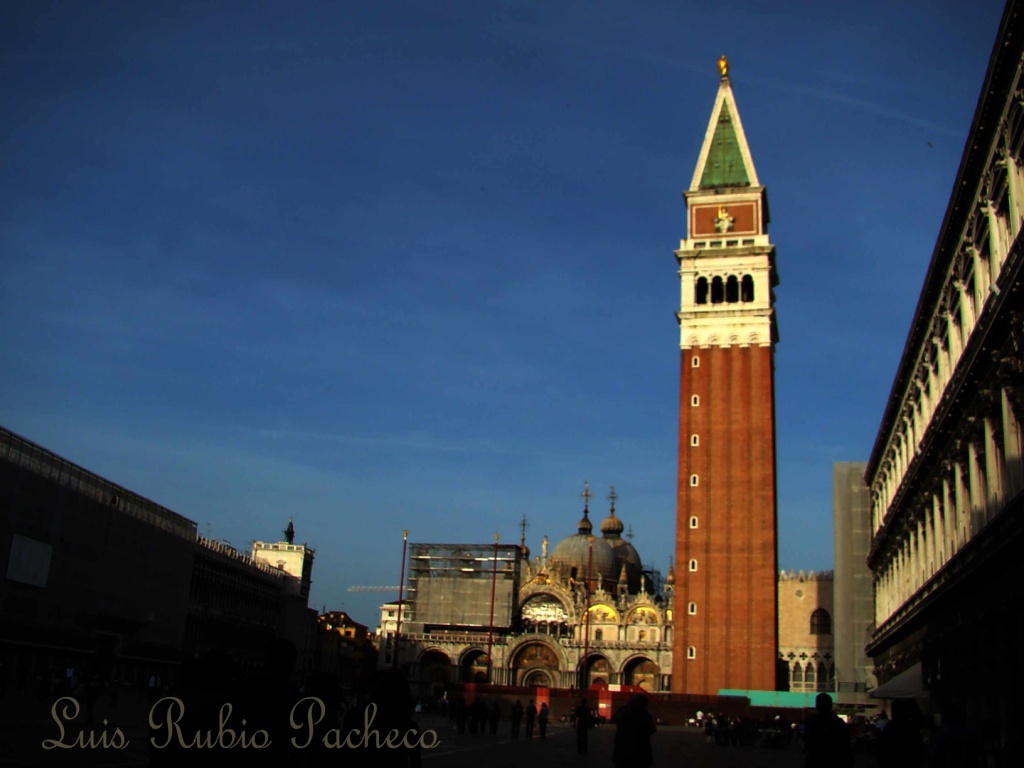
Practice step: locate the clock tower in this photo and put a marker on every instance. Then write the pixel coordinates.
(726, 553)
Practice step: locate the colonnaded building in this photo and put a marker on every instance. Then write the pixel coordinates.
(946, 475)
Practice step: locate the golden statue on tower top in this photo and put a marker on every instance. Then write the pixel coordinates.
(723, 66)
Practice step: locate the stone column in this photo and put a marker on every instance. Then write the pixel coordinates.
(976, 485)
(967, 313)
(948, 515)
(996, 241)
(960, 497)
(994, 481)
(1014, 187)
(939, 539)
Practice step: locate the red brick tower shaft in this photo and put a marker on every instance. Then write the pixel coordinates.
(725, 614)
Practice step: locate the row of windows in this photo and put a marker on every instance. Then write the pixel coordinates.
(730, 290)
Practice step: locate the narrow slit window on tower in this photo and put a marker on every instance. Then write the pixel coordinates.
(700, 294)
(695, 362)
(691, 652)
(693, 566)
(695, 401)
(692, 609)
(694, 480)
(717, 290)
(693, 521)
(694, 440)
(732, 289)
(747, 288)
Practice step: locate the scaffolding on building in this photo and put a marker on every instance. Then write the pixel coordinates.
(463, 585)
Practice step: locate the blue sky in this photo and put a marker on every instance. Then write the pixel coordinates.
(393, 265)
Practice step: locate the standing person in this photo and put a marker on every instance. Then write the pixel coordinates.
(495, 718)
(826, 739)
(634, 728)
(582, 716)
(542, 720)
(517, 718)
(531, 715)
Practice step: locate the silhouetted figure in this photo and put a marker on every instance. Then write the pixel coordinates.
(461, 715)
(634, 728)
(391, 706)
(581, 715)
(327, 688)
(542, 720)
(495, 718)
(826, 739)
(480, 715)
(517, 718)
(531, 715)
(900, 744)
(266, 700)
(92, 685)
(206, 685)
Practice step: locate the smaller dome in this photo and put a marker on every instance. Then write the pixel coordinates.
(611, 526)
(585, 526)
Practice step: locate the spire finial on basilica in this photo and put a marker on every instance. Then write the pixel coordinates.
(612, 497)
(523, 525)
(723, 66)
(586, 495)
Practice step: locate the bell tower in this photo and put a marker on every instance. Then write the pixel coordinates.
(726, 554)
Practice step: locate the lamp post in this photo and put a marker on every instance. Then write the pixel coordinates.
(401, 585)
(490, 623)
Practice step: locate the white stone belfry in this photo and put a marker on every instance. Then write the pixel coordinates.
(726, 264)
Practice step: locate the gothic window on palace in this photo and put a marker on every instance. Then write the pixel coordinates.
(822, 677)
(701, 293)
(798, 675)
(809, 676)
(747, 288)
(732, 290)
(821, 622)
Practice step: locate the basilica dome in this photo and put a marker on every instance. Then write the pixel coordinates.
(625, 553)
(575, 555)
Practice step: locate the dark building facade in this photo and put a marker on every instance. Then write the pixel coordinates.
(99, 577)
(945, 475)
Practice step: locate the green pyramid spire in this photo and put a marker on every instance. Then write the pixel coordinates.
(724, 166)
